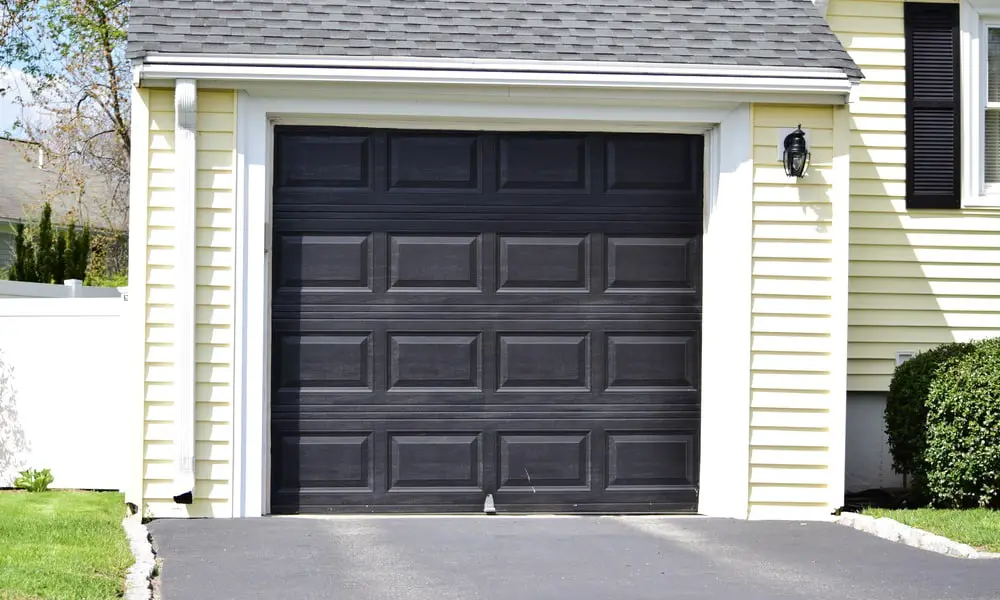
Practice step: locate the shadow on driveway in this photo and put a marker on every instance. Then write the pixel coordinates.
(526, 558)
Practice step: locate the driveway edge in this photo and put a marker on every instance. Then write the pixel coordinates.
(894, 531)
(138, 579)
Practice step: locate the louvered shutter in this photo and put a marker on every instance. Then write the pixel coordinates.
(933, 118)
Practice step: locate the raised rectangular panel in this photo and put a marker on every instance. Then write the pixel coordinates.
(325, 361)
(650, 264)
(650, 460)
(324, 160)
(545, 460)
(341, 262)
(544, 263)
(651, 361)
(433, 160)
(543, 162)
(551, 361)
(430, 262)
(649, 162)
(435, 361)
(435, 461)
(311, 461)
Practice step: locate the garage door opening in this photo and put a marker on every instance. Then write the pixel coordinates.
(456, 314)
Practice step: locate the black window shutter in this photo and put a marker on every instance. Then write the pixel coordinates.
(933, 101)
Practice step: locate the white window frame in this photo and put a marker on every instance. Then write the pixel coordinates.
(977, 18)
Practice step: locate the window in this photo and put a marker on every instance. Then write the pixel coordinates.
(952, 104)
(980, 74)
(991, 138)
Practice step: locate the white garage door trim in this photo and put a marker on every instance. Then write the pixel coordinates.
(725, 361)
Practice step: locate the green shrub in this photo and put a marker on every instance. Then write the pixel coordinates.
(906, 408)
(34, 480)
(963, 430)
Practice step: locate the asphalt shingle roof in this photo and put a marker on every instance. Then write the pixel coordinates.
(788, 33)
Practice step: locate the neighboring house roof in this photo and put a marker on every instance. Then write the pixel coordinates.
(775, 33)
(26, 185)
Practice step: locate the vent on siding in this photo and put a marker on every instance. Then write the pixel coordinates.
(933, 121)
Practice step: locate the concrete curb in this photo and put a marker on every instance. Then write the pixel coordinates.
(894, 531)
(137, 580)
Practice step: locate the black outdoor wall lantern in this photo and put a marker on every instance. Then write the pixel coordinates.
(796, 153)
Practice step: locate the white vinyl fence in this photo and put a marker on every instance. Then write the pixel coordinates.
(72, 288)
(62, 400)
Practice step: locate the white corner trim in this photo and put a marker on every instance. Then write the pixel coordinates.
(185, 172)
(725, 356)
(136, 297)
(727, 247)
(840, 198)
(241, 291)
(254, 308)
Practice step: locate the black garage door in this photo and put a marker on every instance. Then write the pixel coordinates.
(461, 314)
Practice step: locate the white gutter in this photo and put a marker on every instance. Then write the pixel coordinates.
(708, 78)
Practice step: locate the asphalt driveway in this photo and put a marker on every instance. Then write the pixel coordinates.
(575, 558)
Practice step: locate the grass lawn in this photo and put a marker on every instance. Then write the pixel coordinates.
(62, 545)
(977, 527)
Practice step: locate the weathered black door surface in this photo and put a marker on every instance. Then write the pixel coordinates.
(456, 314)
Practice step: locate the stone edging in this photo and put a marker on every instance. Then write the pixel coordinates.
(137, 580)
(894, 531)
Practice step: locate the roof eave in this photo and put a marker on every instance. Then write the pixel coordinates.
(682, 77)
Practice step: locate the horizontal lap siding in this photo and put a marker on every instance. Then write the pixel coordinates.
(918, 278)
(214, 336)
(792, 319)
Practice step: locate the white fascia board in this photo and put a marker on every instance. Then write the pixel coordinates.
(486, 64)
(496, 73)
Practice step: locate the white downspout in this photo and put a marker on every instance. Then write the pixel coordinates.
(185, 151)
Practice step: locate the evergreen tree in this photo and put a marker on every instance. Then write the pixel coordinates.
(50, 256)
(59, 260)
(24, 256)
(44, 248)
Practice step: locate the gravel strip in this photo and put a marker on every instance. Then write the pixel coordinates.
(894, 531)
(137, 580)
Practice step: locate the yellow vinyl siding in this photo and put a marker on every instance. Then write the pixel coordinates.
(792, 319)
(918, 278)
(214, 335)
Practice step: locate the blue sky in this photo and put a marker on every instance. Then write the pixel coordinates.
(10, 111)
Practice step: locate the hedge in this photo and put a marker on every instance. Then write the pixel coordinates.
(962, 457)
(906, 408)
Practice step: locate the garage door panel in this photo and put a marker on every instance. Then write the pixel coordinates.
(572, 271)
(549, 162)
(428, 263)
(651, 264)
(315, 159)
(333, 262)
(333, 203)
(458, 314)
(634, 163)
(434, 161)
(341, 361)
(565, 466)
